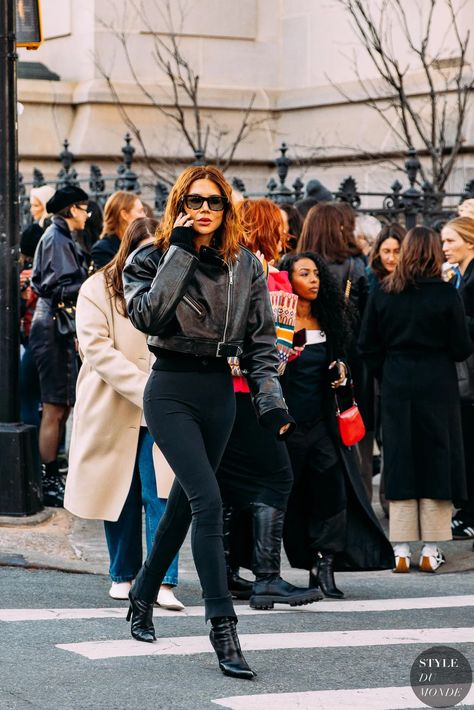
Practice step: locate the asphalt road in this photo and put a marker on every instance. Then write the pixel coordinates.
(45, 659)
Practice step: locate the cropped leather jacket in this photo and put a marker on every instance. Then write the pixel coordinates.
(198, 304)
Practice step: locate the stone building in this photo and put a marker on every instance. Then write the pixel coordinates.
(287, 54)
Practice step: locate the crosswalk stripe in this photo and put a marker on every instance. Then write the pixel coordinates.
(186, 645)
(396, 698)
(362, 605)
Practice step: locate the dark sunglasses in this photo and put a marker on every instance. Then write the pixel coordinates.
(216, 203)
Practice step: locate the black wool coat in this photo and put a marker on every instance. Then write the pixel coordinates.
(466, 291)
(366, 546)
(411, 341)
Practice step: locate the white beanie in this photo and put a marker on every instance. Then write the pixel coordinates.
(43, 194)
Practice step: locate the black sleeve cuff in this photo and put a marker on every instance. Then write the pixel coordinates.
(183, 237)
(274, 419)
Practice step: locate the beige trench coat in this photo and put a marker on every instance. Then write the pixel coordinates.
(108, 410)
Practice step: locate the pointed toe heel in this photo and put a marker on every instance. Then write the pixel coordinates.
(224, 639)
(141, 614)
(322, 576)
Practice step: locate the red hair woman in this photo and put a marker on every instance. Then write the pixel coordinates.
(255, 475)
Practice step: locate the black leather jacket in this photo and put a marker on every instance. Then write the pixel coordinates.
(58, 269)
(198, 304)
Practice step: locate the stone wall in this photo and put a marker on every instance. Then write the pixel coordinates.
(288, 53)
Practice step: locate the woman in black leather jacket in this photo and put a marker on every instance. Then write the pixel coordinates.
(58, 273)
(201, 298)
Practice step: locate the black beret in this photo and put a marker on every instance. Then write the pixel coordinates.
(68, 195)
(30, 238)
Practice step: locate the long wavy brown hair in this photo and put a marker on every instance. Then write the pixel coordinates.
(135, 233)
(323, 233)
(263, 227)
(389, 231)
(421, 256)
(230, 233)
(348, 227)
(113, 222)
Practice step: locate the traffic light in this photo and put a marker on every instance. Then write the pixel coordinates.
(29, 32)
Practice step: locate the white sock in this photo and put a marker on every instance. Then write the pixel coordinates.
(401, 549)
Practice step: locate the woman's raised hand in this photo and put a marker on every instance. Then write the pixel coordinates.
(183, 220)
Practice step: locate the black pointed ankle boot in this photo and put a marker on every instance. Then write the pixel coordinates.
(52, 484)
(141, 613)
(269, 588)
(239, 587)
(224, 639)
(322, 576)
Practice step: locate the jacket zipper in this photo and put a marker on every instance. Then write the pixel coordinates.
(192, 304)
(229, 291)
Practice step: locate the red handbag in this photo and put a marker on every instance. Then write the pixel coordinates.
(350, 423)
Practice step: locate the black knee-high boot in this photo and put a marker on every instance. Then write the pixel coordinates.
(269, 587)
(239, 587)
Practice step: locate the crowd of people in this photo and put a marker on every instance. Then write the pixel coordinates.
(215, 360)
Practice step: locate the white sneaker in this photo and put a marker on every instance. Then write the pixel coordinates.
(431, 558)
(402, 557)
(167, 600)
(120, 590)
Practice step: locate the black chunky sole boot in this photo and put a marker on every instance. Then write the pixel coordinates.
(224, 640)
(267, 593)
(239, 587)
(269, 588)
(322, 576)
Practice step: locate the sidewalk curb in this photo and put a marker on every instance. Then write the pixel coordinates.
(26, 520)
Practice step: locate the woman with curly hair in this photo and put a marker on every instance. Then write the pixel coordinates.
(255, 474)
(329, 521)
(413, 333)
(201, 298)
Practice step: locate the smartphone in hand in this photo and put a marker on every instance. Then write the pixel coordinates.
(299, 338)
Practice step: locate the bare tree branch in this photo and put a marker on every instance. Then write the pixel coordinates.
(426, 119)
(183, 105)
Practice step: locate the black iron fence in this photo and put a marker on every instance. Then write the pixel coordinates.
(413, 204)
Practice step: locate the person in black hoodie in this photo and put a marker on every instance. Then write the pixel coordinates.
(458, 247)
(201, 298)
(58, 273)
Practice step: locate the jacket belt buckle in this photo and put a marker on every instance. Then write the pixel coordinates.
(228, 350)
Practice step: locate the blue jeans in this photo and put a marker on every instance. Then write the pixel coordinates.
(30, 394)
(124, 536)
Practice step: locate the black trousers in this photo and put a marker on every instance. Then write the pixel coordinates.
(190, 416)
(318, 471)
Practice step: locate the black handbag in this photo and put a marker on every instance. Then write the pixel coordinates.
(65, 319)
(465, 371)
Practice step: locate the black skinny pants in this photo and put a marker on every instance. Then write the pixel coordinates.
(190, 417)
